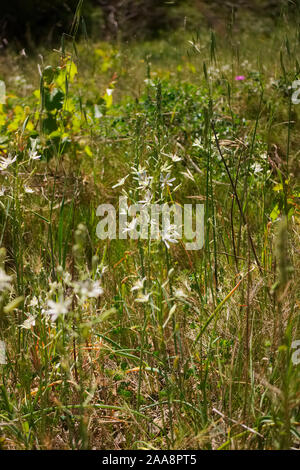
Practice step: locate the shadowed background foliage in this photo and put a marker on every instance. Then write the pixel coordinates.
(32, 22)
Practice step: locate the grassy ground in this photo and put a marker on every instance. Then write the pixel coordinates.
(153, 347)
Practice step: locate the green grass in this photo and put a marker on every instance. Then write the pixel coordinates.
(206, 361)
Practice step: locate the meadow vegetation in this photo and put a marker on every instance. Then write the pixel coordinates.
(141, 344)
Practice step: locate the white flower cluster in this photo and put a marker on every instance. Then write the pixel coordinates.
(57, 304)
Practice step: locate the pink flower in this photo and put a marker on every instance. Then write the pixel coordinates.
(240, 77)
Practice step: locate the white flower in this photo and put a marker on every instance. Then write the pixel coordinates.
(197, 143)
(34, 302)
(5, 281)
(138, 285)
(120, 182)
(169, 234)
(226, 68)
(28, 190)
(5, 162)
(101, 270)
(67, 278)
(2, 190)
(143, 179)
(141, 176)
(19, 81)
(257, 168)
(89, 288)
(29, 322)
(166, 180)
(175, 157)
(142, 298)
(149, 82)
(58, 308)
(53, 287)
(33, 155)
(138, 171)
(179, 294)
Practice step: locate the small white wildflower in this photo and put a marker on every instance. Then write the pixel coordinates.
(169, 234)
(101, 270)
(89, 288)
(5, 281)
(58, 308)
(120, 182)
(6, 162)
(19, 80)
(139, 171)
(149, 82)
(67, 278)
(179, 293)
(33, 155)
(175, 158)
(257, 168)
(138, 285)
(144, 180)
(166, 180)
(226, 68)
(34, 302)
(28, 190)
(2, 191)
(28, 323)
(142, 298)
(53, 288)
(197, 143)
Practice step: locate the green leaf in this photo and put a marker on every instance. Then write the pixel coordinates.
(54, 99)
(275, 213)
(49, 124)
(48, 74)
